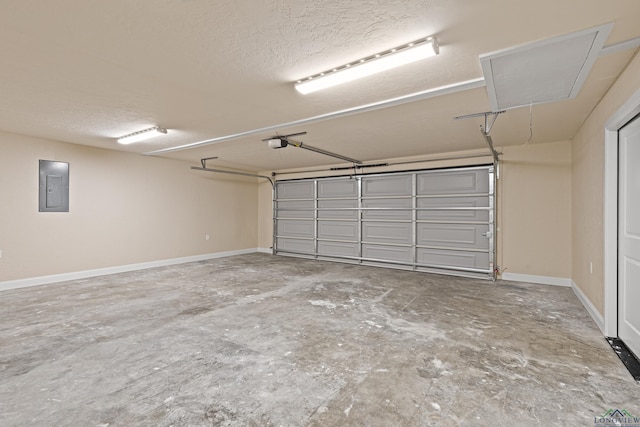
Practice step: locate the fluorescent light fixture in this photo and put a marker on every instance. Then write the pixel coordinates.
(405, 54)
(141, 135)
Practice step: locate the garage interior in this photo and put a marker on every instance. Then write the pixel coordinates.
(433, 244)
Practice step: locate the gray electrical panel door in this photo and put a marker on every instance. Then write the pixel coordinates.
(54, 186)
(438, 221)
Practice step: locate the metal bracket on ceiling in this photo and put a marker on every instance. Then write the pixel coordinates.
(488, 125)
(285, 137)
(203, 161)
(489, 120)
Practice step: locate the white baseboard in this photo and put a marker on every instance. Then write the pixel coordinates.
(559, 281)
(588, 305)
(265, 250)
(44, 280)
(542, 280)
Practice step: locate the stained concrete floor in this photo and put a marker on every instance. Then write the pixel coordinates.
(258, 340)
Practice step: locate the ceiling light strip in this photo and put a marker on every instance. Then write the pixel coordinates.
(383, 61)
(392, 102)
(141, 135)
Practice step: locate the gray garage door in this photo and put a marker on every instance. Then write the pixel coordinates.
(437, 221)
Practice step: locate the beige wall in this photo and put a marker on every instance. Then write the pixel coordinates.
(534, 210)
(588, 187)
(124, 209)
(128, 209)
(534, 205)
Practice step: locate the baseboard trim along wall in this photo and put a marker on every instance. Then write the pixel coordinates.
(588, 305)
(559, 281)
(44, 280)
(541, 280)
(265, 250)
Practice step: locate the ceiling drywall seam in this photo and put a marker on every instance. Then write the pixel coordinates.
(413, 97)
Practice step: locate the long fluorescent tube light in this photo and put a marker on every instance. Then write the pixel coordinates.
(405, 54)
(142, 135)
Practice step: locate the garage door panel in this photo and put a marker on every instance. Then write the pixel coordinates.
(338, 249)
(338, 230)
(453, 182)
(449, 258)
(378, 209)
(437, 221)
(337, 188)
(295, 209)
(394, 265)
(295, 228)
(295, 245)
(463, 236)
(384, 232)
(392, 253)
(295, 190)
(342, 207)
(440, 213)
(463, 272)
(399, 185)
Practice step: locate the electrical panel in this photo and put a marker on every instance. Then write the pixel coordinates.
(54, 186)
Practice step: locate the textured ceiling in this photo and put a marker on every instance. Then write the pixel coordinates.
(87, 71)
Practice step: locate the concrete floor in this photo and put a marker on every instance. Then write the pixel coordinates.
(259, 340)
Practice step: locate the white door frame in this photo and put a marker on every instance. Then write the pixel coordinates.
(623, 115)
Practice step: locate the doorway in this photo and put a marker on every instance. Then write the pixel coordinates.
(624, 116)
(629, 235)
